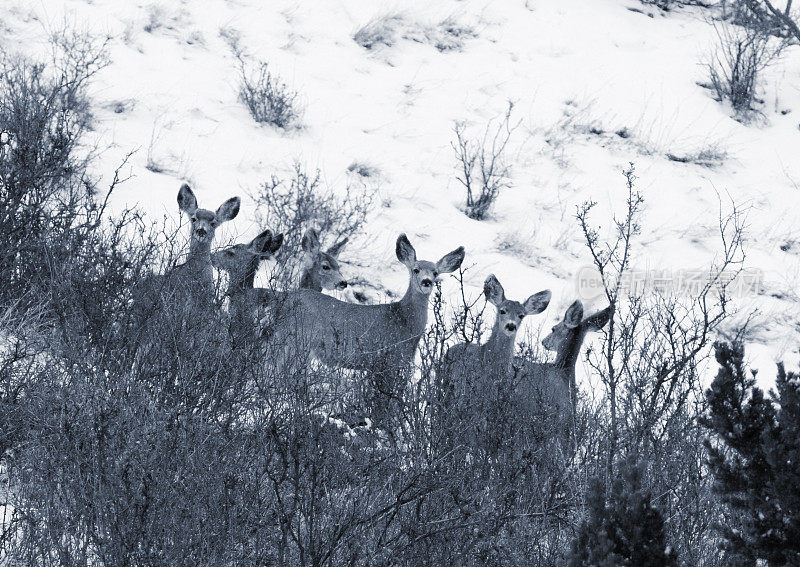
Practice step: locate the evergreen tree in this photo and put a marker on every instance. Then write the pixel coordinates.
(755, 459)
(623, 528)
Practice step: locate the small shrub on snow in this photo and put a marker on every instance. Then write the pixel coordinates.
(446, 35)
(268, 99)
(379, 31)
(449, 34)
(737, 62)
(483, 170)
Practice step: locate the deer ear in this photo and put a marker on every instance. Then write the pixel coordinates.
(574, 314)
(310, 242)
(187, 202)
(493, 290)
(275, 243)
(405, 251)
(598, 320)
(260, 244)
(451, 262)
(537, 302)
(336, 248)
(228, 210)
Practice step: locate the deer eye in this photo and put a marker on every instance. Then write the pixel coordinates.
(416, 270)
(193, 219)
(502, 312)
(521, 316)
(326, 267)
(229, 252)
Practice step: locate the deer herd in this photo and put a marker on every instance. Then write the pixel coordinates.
(384, 337)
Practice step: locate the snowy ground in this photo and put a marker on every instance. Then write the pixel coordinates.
(571, 67)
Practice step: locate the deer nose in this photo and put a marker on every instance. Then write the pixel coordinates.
(511, 326)
(426, 282)
(342, 284)
(201, 231)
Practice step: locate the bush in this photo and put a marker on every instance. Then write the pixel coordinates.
(737, 63)
(292, 205)
(483, 171)
(379, 31)
(269, 100)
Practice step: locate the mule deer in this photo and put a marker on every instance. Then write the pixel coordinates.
(241, 262)
(177, 308)
(191, 283)
(354, 336)
(196, 274)
(553, 383)
(471, 372)
(321, 268)
(494, 357)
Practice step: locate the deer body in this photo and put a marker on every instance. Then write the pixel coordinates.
(552, 384)
(348, 335)
(476, 379)
(241, 262)
(468, 367)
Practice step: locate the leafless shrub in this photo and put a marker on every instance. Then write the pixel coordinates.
(364, 170)
(155, 18)
(482, 167)
(768, 15)
(292, 205)
(649, 366)
(712, 155)
(267, 97)
(737, 62)
(47, 195)
(448, 34)
(667, 5)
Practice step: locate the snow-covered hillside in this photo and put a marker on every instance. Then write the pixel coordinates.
(578, 72)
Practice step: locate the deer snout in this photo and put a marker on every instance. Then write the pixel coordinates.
(511, 326)
(201, 232)
(426, 283)
(341, 285)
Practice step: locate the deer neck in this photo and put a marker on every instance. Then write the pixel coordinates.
(198, 264)
(307, 281)
(243, 281)
(568, 354)
(499, 349)
(413, 309)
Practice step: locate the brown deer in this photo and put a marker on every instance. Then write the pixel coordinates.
(196, 274)
(241, 262)
(473, 376)
(348, 335)
(321, 268)
(553, 383)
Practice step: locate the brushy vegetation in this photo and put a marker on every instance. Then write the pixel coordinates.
(448, 34)
(292, 205)
(737, 62)
(133, 433)
(483, 170)
(266, 96)
(754, 459)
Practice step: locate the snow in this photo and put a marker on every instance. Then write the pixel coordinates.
(570, 66)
